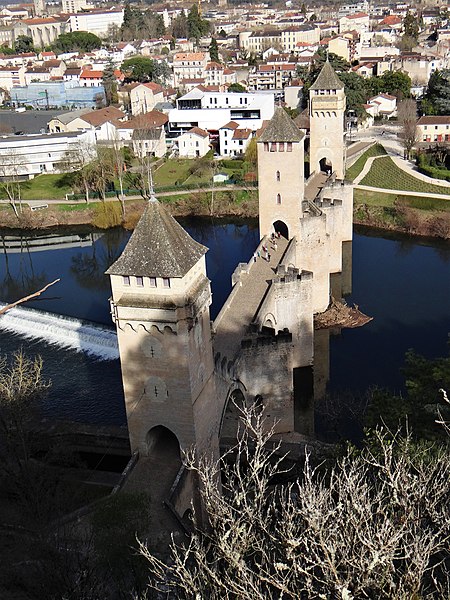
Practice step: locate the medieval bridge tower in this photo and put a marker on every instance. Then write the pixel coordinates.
(179, 371)
(160, 305)
(326, 117)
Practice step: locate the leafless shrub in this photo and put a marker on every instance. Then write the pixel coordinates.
(374, 525)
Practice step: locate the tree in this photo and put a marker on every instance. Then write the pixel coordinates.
(139, 68)
(373, 525)
(12, 170)
(407, 116)
(109, 82)
(237, 88)
(356, 91)
(21, 387)
(120, 167)
(395, 83)
(76, 41)
(437, 98)
(24, 43)
(78, 159)
(411, 26)
(179, 27)
(214, 50)
(197, 27)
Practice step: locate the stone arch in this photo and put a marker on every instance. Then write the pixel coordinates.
(161, 435)
(230, 419)
(269, 321)
(281, 227)
(325, 165)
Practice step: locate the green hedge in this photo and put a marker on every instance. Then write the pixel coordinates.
(435, 172)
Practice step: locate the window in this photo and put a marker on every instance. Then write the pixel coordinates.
(289, 147)
(126, 280)
(152, 281)
(140, 281)
(278, 198)
(273, 147)
(166, 282)
(266, 147)
(278, 175)
(281, 147)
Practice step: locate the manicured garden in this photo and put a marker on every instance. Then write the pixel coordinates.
(385, 174)
(353, 171)
(386, 200)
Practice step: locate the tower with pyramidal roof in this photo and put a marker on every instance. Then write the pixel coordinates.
(160, 305)
(280, 175)
(326, 117)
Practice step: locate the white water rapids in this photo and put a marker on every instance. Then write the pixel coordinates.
(65, 332)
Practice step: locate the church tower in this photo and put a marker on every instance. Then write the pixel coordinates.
(326, 115)
(160, 305)
(280, 175)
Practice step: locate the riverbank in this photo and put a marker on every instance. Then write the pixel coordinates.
(384, 212)
(233, 203)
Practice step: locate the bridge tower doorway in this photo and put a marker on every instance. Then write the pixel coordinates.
(325, 166)
(163, 445)
(281, 227)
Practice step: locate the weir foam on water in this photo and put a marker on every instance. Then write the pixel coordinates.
(65, 332)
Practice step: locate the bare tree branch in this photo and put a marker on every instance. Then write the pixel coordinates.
(26, 298)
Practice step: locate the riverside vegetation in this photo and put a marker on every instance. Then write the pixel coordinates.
(186, 187)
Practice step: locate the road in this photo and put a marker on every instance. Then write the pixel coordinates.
(138, 197)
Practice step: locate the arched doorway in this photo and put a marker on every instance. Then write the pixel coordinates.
(281, 227)
(231, 417)
(160, 438)
(325, 166)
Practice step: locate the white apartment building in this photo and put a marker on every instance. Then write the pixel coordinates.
(357, 22)
(212, 110)
(189, 65)
(31, 155)
(74, 6)
(11, 76)
(96, 22)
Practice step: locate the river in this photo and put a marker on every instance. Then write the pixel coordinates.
(403, 283)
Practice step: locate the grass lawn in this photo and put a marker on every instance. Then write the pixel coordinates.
(172, 171)
(45, 187)
(385, 174)
(387, 200)
(353, 171)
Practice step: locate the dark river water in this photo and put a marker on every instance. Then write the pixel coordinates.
(403, 284)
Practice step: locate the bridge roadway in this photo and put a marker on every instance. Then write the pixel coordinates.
(240, 308)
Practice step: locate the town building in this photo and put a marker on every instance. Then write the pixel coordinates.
(34, 154)
(193, 143)
(433, 129)
(189, 65)
(212, 110)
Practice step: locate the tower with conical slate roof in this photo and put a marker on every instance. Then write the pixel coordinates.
(160, 305)
(326, 117)
(280, 175)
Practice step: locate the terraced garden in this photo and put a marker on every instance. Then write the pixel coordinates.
(353, 171)
(385, 174)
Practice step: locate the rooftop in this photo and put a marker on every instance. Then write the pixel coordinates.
(158, 247)
(281, 128)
